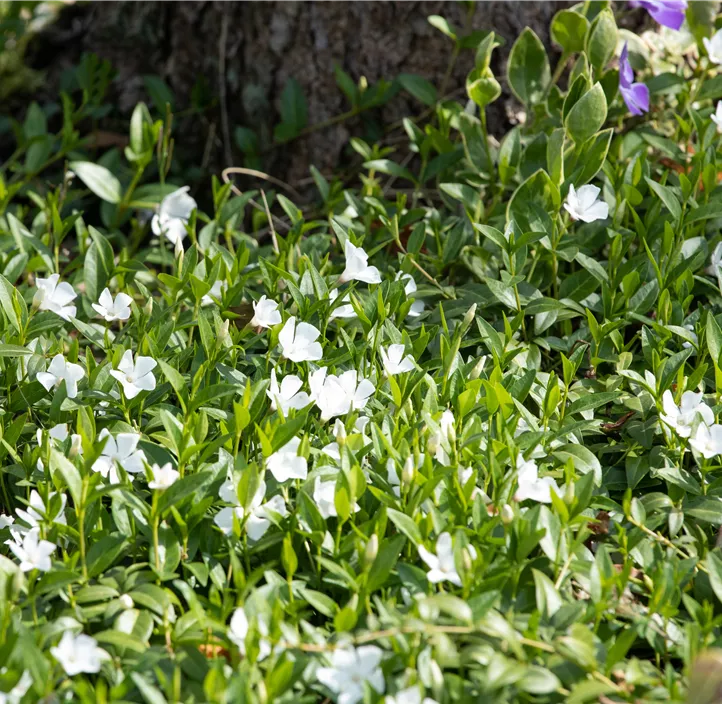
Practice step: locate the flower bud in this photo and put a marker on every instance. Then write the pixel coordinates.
(148, 308)
(223, 332)
(466, 560)
(126, 601)
(408, 471)
(507, 514)
(372, 550)
(478, 368)
(469, 317)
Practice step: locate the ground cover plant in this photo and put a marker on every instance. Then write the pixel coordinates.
(448, 435)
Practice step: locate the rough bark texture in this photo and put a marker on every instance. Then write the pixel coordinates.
(262, 44)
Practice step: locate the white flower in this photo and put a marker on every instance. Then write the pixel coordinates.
(285, 463)
(707, 440)
(61, 370)
(15, 695)
(135, 377)
(717, 117)
(163, 477)
(350, 668)
(54, 296)
(173, 214)
(118, 309)
(337, 395)
(714, 47)
(265, 313)
(417, 307)
(583, 204)
(119, 450)
(78, 654)
(357, 266)
(691, 411)
(441, 565)
(323, 497)
(287, 395)
(530, 485)
(298, 342)
(258, 519)
(37, 511)
(410, 695)
(328, 394)
(342, 311)
(394, 361)
(6, 521)
(238, 630)
(33, 553)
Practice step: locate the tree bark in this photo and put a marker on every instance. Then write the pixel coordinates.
(245, 52)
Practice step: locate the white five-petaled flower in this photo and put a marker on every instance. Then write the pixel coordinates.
(119, 450)
(238, 630)
(417, 307)
(357, 266)
(163, 477)
(55, 296)
(707, 440)
(118, 309)
(217, 290)
(345, 310)
(531, 486)
(691, 411)
(287, 394)
(79, 654)
(259, 513)
(33, 553)
(61, 370)
(285, 463)
(135, 377)
(173, 215)
(410, 695)
(38, 512)
(338, 395)
(323, 496)
(298, 342)
(21, 688)
(714, 47)
(394, 361)
(584, 205)
(350, 668)
(441, 565)
(265, 313)
(717, 116)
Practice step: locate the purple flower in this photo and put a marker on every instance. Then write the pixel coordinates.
(669, 13)
(636, 95)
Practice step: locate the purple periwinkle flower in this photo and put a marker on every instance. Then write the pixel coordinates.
(669, 13)
(636, 95)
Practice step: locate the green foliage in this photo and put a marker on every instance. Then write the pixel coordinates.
(460, 416)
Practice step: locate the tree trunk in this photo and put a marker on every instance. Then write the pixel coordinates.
(244, 53)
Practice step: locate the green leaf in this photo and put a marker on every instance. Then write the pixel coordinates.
(99, 180)
(667, 196)
(385, 561)
(582, 458)
(588, 115)
(568, 29)
(419, 87)
(69, 472)
(713, 334)
(601, 40)
(482, 87)
(406, 525)
(528, 71)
